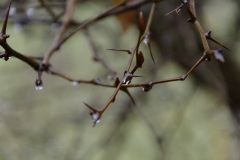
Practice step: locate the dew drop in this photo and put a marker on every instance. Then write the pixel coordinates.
(38, 85)
(75, 83)
(39, 88)
(128, 82)
(6, 58)
(218, 56)
(98, 121)
(145, 41)
(95, 117)
(127, 78)
(208, 59)
(147, 88)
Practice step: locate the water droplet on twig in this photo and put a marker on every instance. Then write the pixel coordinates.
(127, 78)
(128, 82)
(147, 87)
(146, 40)
(218, 55)
(75, 83)
(208, 59)
(39, 88)
(38, 85)
(95, 117)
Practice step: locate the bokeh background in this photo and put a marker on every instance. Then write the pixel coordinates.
(197, 119)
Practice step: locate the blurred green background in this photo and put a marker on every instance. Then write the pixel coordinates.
(188, 120)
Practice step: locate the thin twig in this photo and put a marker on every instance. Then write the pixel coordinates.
(118, 8)
(97, 57)
(55, 45)
(98, 113)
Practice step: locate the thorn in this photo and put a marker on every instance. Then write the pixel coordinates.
(170, 12)
(177, 10)
(190, 20)
(4, 27)
(120, 50)
(150, 50)
(208, 36)
(135, 76)
(91, 108)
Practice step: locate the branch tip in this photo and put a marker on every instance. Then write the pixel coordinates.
(4, 27)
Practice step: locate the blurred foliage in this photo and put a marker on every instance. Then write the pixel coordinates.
(192, 119)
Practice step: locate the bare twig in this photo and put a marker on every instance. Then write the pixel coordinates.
(56, 43)
(126, 79)
(96, 56)
(118, 8)
(9, 50)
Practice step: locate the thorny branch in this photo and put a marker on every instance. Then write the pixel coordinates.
(147, 86)
(41, 63)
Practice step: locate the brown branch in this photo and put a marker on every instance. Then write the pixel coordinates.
(126, 79)
(124, 83)
(94, 81)
(8, 50)
(96, 115)
(96, 56)
(118, 8)
(12, 52)
(147, 31)
(56, 42)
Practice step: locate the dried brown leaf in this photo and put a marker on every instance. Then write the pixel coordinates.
(125, 18)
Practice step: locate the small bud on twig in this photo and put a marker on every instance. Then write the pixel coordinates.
(141, 24)
(218, 55)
